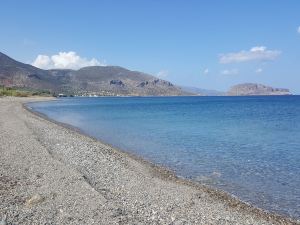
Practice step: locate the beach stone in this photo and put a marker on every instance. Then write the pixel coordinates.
(3, 220)
(35, 199)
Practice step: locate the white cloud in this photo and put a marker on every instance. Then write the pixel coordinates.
(206, 71)
(162, 74)
(42, 61)
(259, 70)
(230, 72)
(64, 60)
(298, 30)
(260, 53)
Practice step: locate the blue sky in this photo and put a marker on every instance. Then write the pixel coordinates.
(208, 44)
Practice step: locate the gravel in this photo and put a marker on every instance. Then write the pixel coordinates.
(50, 174)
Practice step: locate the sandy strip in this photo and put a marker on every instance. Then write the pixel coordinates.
(50, 174)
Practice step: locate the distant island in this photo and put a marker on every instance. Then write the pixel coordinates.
(256, 89)
(104, 81)
(240, 90)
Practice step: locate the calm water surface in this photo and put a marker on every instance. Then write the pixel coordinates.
(247, 146)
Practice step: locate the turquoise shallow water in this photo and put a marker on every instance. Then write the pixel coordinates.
(247, 146)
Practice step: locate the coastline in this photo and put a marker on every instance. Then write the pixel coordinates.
(215, 206)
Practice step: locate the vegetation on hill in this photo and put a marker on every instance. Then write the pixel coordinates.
(22, 92)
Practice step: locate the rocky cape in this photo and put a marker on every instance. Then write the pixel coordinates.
(256, 89)
(94, 80)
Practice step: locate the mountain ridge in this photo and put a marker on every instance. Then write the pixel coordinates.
(110, 80)
(96, 80)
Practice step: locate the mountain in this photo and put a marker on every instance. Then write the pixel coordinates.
(14, 73)
(98, 80)
(202, 92)
(109, 80)
(256, 89)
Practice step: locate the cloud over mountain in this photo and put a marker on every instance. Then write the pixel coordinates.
(258, 53)
(64, 60)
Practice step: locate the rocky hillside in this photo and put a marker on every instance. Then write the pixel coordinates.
(98, 80)
(256, 89)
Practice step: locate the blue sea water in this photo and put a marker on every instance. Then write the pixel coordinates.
(247, 146)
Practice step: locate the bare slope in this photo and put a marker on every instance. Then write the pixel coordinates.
(102, 80)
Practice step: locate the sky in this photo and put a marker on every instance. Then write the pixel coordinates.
(211, 44)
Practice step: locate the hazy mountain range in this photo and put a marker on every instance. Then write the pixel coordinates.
(203, 92)
(108, 80)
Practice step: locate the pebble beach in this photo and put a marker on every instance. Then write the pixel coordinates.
(53, 174)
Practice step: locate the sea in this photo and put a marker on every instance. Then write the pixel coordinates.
(246, 146)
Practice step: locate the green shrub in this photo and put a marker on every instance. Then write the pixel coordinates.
(22, 92)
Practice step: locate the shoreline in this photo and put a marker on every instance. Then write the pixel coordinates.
(165, 175)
